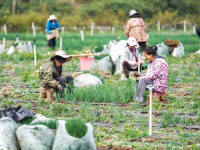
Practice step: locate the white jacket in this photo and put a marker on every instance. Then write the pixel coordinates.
(129, 56)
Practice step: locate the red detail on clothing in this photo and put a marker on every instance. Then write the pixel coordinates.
(134, 53)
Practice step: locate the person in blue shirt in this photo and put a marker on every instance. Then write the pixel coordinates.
(52, 34)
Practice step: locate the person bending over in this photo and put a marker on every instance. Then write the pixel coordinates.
(51, 72)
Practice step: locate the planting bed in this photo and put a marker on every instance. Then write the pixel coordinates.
(119, 122)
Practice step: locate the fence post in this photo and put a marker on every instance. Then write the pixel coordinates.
(5, 29)
(63, 29)
(60, 43)
(4, 41)
(194, 30)
(92, 28)
(17, 40)
(184, 26)
(158, 25)
(34, 52)
(113, 30)
(82, 35)
(33, 27)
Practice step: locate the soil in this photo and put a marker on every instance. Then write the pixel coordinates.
(109, 147)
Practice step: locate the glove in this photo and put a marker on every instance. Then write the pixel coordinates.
(59, 87)
(136, 74)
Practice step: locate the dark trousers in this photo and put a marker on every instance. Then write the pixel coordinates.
(52, 43)
(127, 67)
(143, 45)
(198, 31)
(62, 81)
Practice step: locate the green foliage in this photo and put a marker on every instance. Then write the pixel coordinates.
(114, 92)
(101, 57)
(98, 48)
(27, 120)
(168, 118)
(129, 132)
(76, 128)
(16, 56)
(51, 124)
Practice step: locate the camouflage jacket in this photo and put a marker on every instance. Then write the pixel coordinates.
(48, 73)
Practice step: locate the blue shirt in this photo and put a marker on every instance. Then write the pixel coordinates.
(52, 26)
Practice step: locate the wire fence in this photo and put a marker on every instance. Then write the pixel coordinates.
(184, 26)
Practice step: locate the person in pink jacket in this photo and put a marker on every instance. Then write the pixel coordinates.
(135, 28)
(156, 75)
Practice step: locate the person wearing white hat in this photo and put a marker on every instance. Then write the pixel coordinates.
(135, 28)
(51, 72)
(130, 58)
(51, 26)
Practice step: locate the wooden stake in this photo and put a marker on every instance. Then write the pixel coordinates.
(82, 35)
(33, 27)
(35, 52)
(60, 43)
(5, 29)
(92, 28)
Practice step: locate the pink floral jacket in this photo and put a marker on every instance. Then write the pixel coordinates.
(135, 28)
(158, 72)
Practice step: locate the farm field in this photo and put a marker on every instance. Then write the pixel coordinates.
(119, 123)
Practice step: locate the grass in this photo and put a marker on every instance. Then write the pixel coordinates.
(76, 128)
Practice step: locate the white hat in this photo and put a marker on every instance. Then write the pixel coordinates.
(133, 12)
(52, 17)
(132, 41)
(62, 54)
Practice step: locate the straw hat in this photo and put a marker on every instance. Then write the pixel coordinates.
(132, 41)
(62, 54)
(52, 17)
(133, 12)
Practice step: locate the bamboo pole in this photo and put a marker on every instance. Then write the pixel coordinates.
(82, 55)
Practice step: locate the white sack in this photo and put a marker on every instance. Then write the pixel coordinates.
(1, 48)
(179, 51)
(8, 138)
(36, 137)
(11, 50)
(87, 80)
(162, 50)
(29, 46)
(116, 50)
(23, 47)
(64, 141)
(40, 118)
(198, 52)
(105, 64)
(112, 43)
